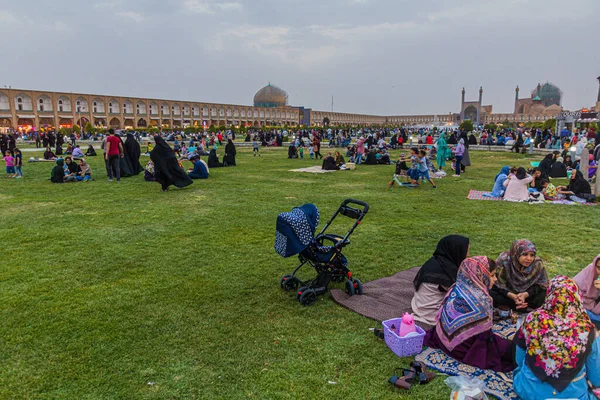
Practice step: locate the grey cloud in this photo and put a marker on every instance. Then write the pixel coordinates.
(374, 56)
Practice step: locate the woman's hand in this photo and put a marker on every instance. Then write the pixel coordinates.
(597, 284)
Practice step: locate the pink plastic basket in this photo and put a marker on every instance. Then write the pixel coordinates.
(402, 347)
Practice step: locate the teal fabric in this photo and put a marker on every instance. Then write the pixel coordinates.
(529, 387)
(443, 151)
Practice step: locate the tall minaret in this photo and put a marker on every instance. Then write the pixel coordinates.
(516, 98)
(479, 108)
(598, 91)
(462, 106)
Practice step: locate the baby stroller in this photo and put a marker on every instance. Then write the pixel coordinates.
(295, 235)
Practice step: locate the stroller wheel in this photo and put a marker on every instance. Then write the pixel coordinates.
(358, 287)
(301, 291)
(350, 288)
(308, 297)
(289, 282)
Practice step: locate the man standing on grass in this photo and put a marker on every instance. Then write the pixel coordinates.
(114, 150)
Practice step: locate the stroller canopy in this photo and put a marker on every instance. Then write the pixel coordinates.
(296, 230)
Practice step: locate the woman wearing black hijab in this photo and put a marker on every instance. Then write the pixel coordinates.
(132, 154)
(90, 152)
(578, 186)
(546, 165)
(213, 160)
(166, 167)
(230, 152)
(436, 276)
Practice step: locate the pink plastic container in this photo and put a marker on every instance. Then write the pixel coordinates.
(406, 346)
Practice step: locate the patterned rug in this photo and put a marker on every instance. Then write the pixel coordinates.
(478, 195)
(497, 384)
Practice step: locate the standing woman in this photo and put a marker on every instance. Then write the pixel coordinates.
(166, 167)
(557, 350)
(522, 278)
(464, 323)
(588, 281)
(466, 160)
(443, 151)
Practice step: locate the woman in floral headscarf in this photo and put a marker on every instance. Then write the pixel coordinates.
(556, 348)
(464, 323)
(522, 278)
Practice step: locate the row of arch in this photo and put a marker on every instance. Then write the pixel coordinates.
(43, 103)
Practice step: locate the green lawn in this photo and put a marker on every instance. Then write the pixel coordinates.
(120, 291)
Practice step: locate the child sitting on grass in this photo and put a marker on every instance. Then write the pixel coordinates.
(549, 190)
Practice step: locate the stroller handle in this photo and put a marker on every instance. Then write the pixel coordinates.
(360, 203)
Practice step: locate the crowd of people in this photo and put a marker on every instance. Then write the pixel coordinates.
(555, 349)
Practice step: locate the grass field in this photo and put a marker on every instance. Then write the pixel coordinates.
(120, 291)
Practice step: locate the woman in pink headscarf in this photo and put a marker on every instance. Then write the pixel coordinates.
(588, 281)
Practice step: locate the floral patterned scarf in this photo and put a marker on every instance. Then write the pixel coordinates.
(467, 309)
(514, 277)
(557, 337)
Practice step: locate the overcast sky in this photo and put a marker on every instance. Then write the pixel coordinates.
(387, 57)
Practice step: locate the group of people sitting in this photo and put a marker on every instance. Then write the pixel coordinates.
(74, 151)
(555, 350)
(516, 184)
(68, 170)
(331, 163)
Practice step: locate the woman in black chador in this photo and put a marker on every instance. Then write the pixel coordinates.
(230, 152)
(166, 167)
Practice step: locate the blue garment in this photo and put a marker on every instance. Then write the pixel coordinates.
(595, 318)
(505, 170)
(295, 230)
(200, 171)
(499, 188)
(529, 387)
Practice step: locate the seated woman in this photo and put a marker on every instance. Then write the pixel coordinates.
(578, 187)
(522, 278)
(329, 163)
(558, 169)
(77, 153)
(213, 160)
(536, 184)
(339, 159)
(464, 324)
(498, 190)
(384, 159)
(371, 158)
(69, 149)
(58, 172)
(49, 155)
(436, 276)
(516, 186)
(230, 153)
(588, 281)
(557, 349)
(200, 170)
(84, 171)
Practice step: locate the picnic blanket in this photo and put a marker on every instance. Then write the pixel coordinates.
(498, 384)
(478, 195)
(383, 298)
(314, 170)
